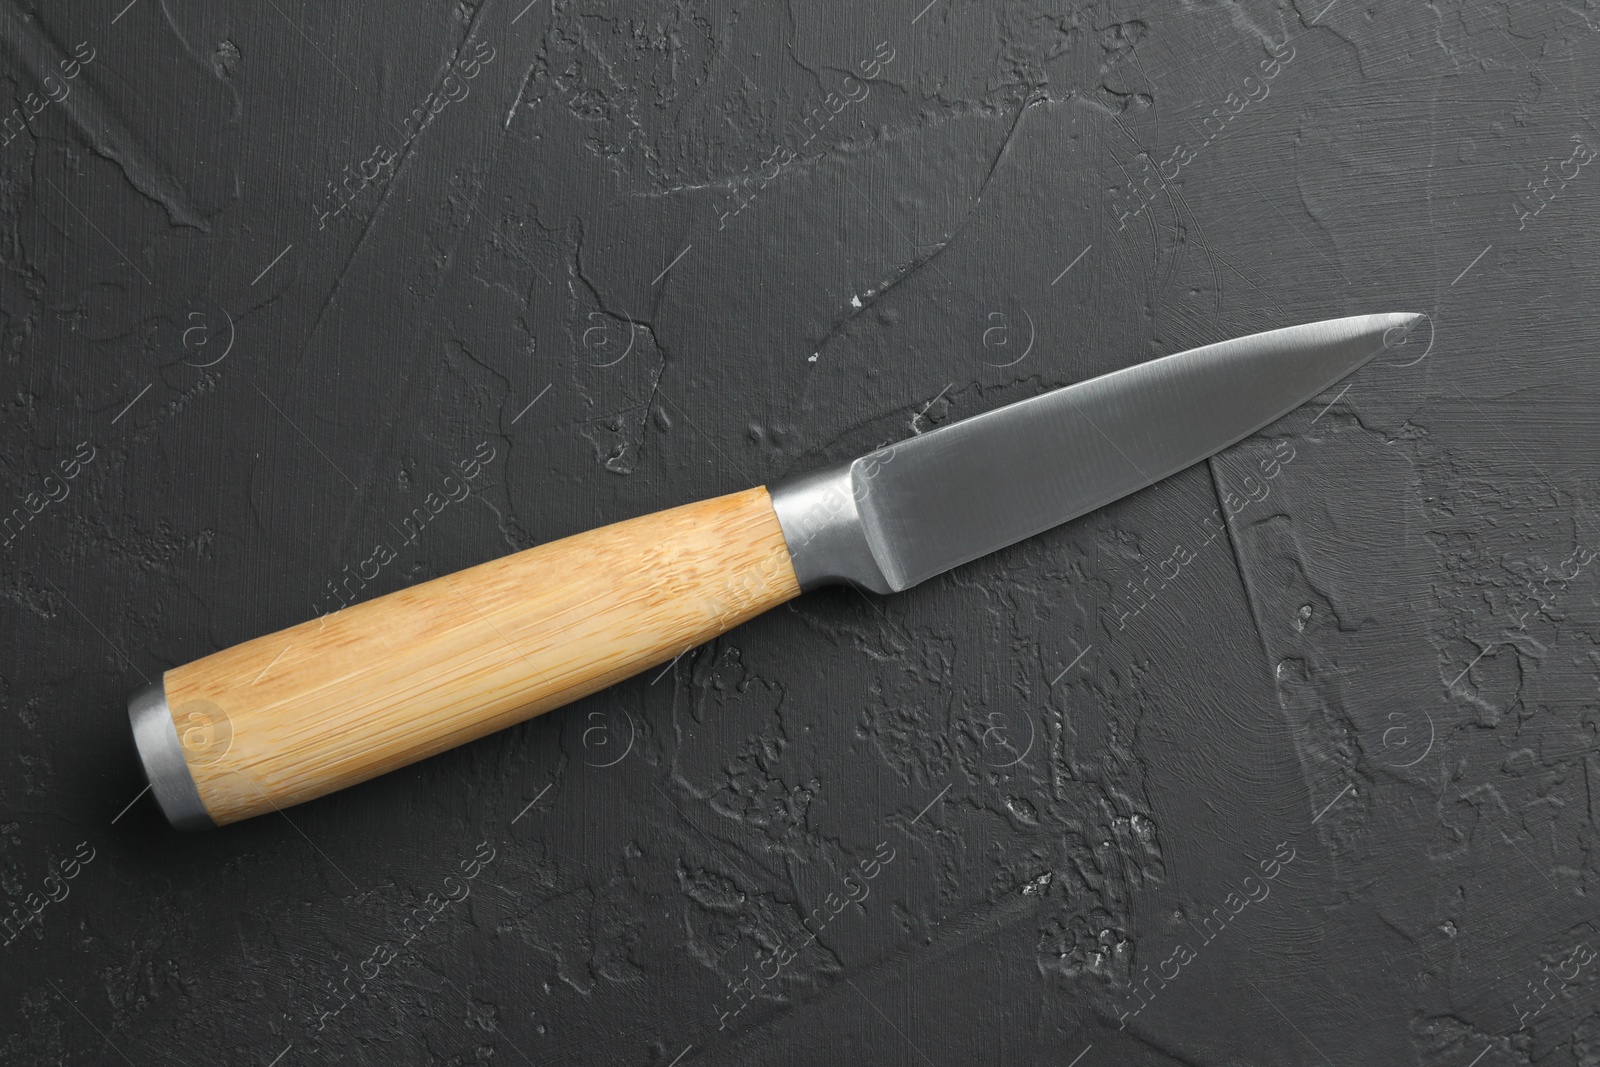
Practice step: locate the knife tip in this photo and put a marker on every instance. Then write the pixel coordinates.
(1351, 343)
(1397, 318)
(1391, 329)
(1381, 323)
(1400, 327)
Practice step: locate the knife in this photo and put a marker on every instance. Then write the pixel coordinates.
(300, 713)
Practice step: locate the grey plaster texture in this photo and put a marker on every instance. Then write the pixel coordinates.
(1290, 759)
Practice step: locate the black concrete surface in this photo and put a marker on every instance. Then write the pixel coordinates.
(1319, 788)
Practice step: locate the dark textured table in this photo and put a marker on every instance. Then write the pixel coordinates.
(1290, 759)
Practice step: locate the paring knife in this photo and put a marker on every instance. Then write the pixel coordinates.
(375, 686)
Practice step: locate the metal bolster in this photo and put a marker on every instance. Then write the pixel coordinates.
(155, 735)
(822, 524)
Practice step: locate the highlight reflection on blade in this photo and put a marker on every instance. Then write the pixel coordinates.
(970, 488)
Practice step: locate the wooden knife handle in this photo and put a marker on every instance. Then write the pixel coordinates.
(347, 696)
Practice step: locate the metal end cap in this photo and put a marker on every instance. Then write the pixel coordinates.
(155, 735)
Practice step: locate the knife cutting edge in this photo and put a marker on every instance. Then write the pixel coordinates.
(294, 715)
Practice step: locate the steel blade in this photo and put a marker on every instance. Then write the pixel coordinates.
(962, 491)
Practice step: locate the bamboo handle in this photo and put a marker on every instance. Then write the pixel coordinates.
(348, 696)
